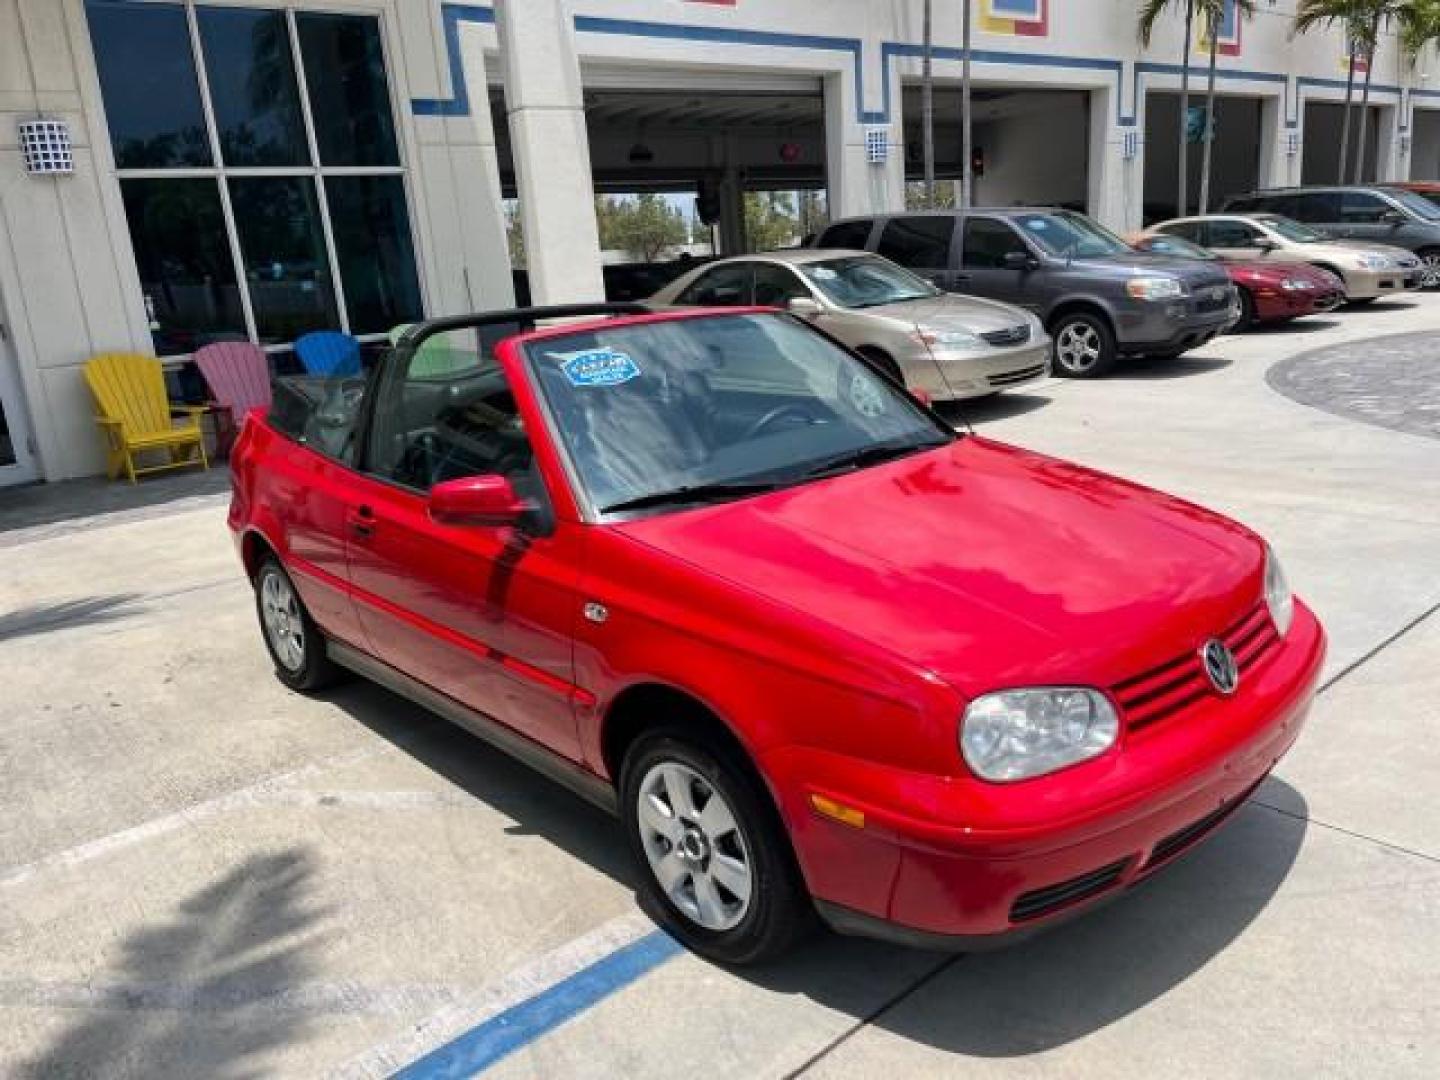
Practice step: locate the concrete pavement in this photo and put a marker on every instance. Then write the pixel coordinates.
(202, 874)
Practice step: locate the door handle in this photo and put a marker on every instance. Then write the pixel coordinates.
(362, 521)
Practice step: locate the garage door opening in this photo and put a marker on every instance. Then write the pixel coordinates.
(1234, 154)
(1425, 145)
(1320, 161)
(1030, 147)
(688, 168)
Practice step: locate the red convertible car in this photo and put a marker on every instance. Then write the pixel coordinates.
(820, 653)
(1269, 292)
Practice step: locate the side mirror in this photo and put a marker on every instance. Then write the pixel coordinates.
(488, 500)
(1019, 260)
(807, 307)
(1264, 243)
(1392, 217)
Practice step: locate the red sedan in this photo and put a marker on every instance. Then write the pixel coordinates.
(1269, 292)
(818, 651)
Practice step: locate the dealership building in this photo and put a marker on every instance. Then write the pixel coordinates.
(174, 172)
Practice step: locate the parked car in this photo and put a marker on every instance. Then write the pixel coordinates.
(948, 347)
(1379, 215)
(1098, 297)
(816, 649)
(1369, 271)
(1426, 189)
(1268, 292)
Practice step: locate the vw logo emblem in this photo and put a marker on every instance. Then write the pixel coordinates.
(1220, 666)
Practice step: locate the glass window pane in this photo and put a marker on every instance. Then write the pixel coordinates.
(147, 78)
(349, 94)
(286, 268)
(183, 255)
(252, 86)
(372, 243)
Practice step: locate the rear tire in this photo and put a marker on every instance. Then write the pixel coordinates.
(1363, 301)
(1084, 346)
(295, 644)
(715, 864)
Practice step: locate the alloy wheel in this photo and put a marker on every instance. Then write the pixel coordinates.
(695, 846)
(1077, 347)
(284, 624)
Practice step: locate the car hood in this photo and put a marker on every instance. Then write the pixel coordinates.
(982, 564)
(952, 311)
(1196, 273)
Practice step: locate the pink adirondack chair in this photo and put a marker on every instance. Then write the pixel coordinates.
(238, 375)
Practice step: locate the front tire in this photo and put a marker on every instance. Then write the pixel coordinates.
(1084, 346)
(294, 642)
(1248, 318)
(714, 862)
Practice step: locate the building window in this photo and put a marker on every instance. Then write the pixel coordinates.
(260, 170)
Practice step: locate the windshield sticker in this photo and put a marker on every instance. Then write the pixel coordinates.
(598, 367)
(823, 273)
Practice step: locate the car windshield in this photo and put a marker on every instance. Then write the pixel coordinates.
(1291, 229)
(1416, 204)
(862, 281)
(677, 413)
(1174, 245)
(1071, 236)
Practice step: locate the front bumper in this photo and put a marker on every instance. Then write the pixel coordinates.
(1171, 327)
(1277, 304)
(1364, 284)
(956, 374)
(960, 862)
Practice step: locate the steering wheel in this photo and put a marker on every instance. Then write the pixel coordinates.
(777, 413)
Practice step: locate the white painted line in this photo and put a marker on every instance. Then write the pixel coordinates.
(315, 998)
(254, 795)
(523, 983)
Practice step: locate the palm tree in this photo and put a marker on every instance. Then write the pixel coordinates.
(1213, 12)
(1348, 14)
(1376, 14)
(1150, 11)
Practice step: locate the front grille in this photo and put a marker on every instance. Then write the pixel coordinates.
(1010, 378)
(1176, 684)
(1181, 839)
(1038, 902)
(1013, 335)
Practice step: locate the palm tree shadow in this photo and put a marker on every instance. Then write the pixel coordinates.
(191, 994)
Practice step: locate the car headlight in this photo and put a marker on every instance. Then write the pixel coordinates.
(1374, 262)
(963, 339)
(1291, 284)
(1278, 597)
(1154, 288)
(1017, 734)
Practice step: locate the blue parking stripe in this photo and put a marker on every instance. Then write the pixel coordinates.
(485, 1044)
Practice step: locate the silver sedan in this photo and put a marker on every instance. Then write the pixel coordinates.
(943, 344)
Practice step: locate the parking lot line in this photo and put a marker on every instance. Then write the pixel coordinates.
(500, 1036)
(253, 795)
(465, 1037)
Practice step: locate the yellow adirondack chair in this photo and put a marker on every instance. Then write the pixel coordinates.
(136, 415)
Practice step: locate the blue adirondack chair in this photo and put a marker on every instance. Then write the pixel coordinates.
(328, 354)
